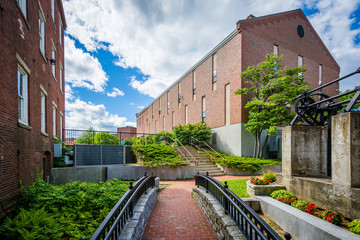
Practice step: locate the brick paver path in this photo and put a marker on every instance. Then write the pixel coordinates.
(177, 216)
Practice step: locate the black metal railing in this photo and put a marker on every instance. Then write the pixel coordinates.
(115, 221)
(248, 221)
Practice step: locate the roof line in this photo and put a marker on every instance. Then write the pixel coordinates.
(273, 14)
(210, 53)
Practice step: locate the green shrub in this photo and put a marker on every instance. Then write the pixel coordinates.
(106, 138)
(331, 216)
(157, 138)
(155, 155)
(59, 162)
(355, 226)
(70, 211)
(87, 137)
(199, 131)
(304, 206)
(259, 181)
(271, 176)
(284, 196)
(243, 163)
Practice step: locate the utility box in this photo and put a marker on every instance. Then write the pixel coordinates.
(57, 150)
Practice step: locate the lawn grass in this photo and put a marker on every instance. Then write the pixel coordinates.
(238, 186)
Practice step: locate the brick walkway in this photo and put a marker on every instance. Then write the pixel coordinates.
(177, 216)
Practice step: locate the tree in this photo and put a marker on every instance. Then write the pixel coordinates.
(200, 131)
(106, 138)
(356, 107)
(87, 137)
(272, 90)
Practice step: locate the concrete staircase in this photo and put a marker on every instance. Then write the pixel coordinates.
(203, 162)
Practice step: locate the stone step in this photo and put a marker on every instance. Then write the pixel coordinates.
(213, 173)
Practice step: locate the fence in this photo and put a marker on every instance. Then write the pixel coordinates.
(248, 221)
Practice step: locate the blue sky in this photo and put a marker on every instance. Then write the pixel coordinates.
(121, 54)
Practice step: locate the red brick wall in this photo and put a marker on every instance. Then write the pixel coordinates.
(21, 149)
(256, 38)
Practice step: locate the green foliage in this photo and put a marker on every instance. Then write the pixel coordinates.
(87, 137)
(200, 131)
(331, 216)
(269, 175)
(259, 181)
(243, 163)
(284, 196)
(106, 138)
(356, 107)
(59, 162)
(157, 138)
(272, 89)
(238, 186)
(354, 226)
(154, 155)
(304, 206)
(70, 211)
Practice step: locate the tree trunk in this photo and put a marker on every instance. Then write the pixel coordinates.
(258, 145)
(263, 146)
(255, 147)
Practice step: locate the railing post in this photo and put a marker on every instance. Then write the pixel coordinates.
(226, 202)
(145, 183)
(287, 236)
(207, 182)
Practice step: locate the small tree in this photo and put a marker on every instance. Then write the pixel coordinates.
(87, 137)
(106, 138)
(200, 131)
(272, 89)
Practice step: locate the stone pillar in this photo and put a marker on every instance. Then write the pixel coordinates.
(304, 151)
(345, 143)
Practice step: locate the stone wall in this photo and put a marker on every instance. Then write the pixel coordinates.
(223, 226)
(135, 226)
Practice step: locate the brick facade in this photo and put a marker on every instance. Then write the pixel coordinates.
(127, 132)
(246, 46)
(23, 147)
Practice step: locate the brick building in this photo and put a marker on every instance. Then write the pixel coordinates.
(206, 91)
(31, 91)
(127, 132)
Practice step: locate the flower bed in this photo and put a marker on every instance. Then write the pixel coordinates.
(327, 215)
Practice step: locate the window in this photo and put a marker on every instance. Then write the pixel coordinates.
(276, 50)
(53, 9)
(214, 59)
(61, 77)
(60, 30)
(194, 85)
(179, 98)
(227, 104)
(42, 31)
(61, 125)
(300, 63)
(43, 111)
(163, 124)
(54, 118)
(168, 102)
(320, 74)
(23, 95)
(159, 107)
(22, 6)
(155, 127)
(53, 57)
(152, 106)
(203, 109)
(186, 114)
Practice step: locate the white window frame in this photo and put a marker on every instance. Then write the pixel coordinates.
(43, 109)
(60, 30)
(194, 86)
(276, 50)
(23, 108)
(300, 60)
(203, 109)
(61, 125)
(320, 74)
(53, 56)
(53, 10)
(54, 119)
(163, 123)
(42, 30)
(186, 114)
(22, 6)
(61, 77)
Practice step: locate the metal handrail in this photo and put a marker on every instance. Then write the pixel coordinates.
(248, 221)
(113, 224)
(191, 142)
(185, 150)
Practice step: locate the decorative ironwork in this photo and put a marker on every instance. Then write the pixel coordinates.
(248, 221)
(115, 221)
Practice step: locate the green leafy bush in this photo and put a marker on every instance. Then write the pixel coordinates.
(259, 181)
(200, 131)
(106, 138)
(284, 196)
(87, 137)
(304, 206)
(157, 138)
(331, 216)
(70, 211)
(355, 226)
(59, 162)
(271, 176)
(155, 155)
(243, 163)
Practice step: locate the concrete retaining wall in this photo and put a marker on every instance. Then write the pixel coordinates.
(239, 172)
(135, 226)
(301, 225)
(84, 174)
(223, 226)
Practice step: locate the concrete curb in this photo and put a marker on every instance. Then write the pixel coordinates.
(302, 225)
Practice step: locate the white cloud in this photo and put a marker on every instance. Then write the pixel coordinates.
(116, 92)
(82, 69)
(141, 107)
(132, 104)
(82, 115)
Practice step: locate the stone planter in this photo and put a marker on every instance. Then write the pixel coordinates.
(266, 190)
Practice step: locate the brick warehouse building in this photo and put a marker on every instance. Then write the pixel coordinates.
(206, 91)
(32, 103)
